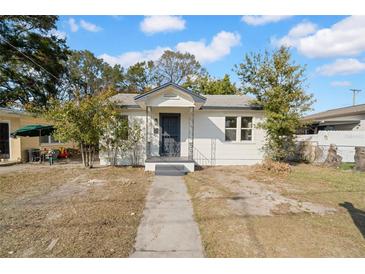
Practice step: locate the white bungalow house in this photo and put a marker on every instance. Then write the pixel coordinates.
(187, 129)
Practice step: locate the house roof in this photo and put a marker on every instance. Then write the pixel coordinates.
(125, 99)
(128, 100)
(12, 111)
(212, 101)
(193, 94)
(229, 101)
(337, 112)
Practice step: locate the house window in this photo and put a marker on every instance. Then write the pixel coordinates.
(246, 128)
(124, 121)
(231, 128)
(48, 139)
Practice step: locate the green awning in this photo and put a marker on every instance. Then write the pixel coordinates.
(33, 131)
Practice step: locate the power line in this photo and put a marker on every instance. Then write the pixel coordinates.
(29, 58)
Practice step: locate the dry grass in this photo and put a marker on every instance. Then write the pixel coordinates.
(227, 232)
(69, 211)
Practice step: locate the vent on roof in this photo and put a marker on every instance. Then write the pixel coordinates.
(170, 95)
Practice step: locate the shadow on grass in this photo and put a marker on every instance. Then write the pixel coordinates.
(357, 215)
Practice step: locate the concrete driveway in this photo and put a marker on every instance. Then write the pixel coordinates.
(168, 228)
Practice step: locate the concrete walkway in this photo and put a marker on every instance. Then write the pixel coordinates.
(168, 228)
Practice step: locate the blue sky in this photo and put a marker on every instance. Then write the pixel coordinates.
(332, 47)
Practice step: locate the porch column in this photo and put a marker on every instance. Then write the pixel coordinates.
(191, 135)
(148, 132)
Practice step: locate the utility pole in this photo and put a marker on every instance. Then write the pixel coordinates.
(354, 92)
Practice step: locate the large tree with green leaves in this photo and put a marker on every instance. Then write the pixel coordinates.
(207, 85)
(177, 67)
(278, 84)
(88, 75)
(83, 121)
(140, 77)
(32, 60)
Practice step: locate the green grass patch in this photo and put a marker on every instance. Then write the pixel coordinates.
(347, 166)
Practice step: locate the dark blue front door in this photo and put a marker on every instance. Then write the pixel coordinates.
(170, 134)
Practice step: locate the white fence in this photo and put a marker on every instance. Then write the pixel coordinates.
(346, 141)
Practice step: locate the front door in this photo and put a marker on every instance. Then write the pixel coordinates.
(170, 134)
(4, 141)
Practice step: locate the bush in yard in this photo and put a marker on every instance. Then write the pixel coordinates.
(277, 167)
(122, 138)
(278, 85)
(82, 121)
(115, 137)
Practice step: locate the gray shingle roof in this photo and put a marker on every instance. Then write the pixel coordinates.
(125, 99)
(213, 101)
(337, 112)
(228, 101)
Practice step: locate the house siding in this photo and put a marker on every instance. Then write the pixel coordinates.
(20, 145)
(210, 147)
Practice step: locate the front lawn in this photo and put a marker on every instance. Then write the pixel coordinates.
(70, 211)
(310, 212)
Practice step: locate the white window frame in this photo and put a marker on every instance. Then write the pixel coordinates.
(238, 129)
(49, 142)
(252, 129)
(230, 128)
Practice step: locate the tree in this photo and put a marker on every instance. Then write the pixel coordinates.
(89, 75)
(207, 85)
(123, 137)
(140, 77)
(113, 77)
(114, 139)
(32, 60)
(278, 84)
(82, 121)
(177, 67)
(135, 137)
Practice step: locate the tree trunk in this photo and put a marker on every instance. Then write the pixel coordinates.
(92, 156)
(82, 148)
(87, 161)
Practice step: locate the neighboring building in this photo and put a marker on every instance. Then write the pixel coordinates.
(15, 149)
(346, 118)
(183, 127)
(343, 127)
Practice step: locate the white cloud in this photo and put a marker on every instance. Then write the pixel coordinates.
(291, 39)
(164, 23)
(73, 25)
(341, 84)
(259, 20)
(130, 58)
(89, 26)
(345, 38)
(219, 47)
(83, 24)
(303, 29)
(342, 67)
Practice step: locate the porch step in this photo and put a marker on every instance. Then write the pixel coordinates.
(170, 170)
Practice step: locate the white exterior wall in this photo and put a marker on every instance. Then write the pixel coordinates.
(138, 116)
(210, 147)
